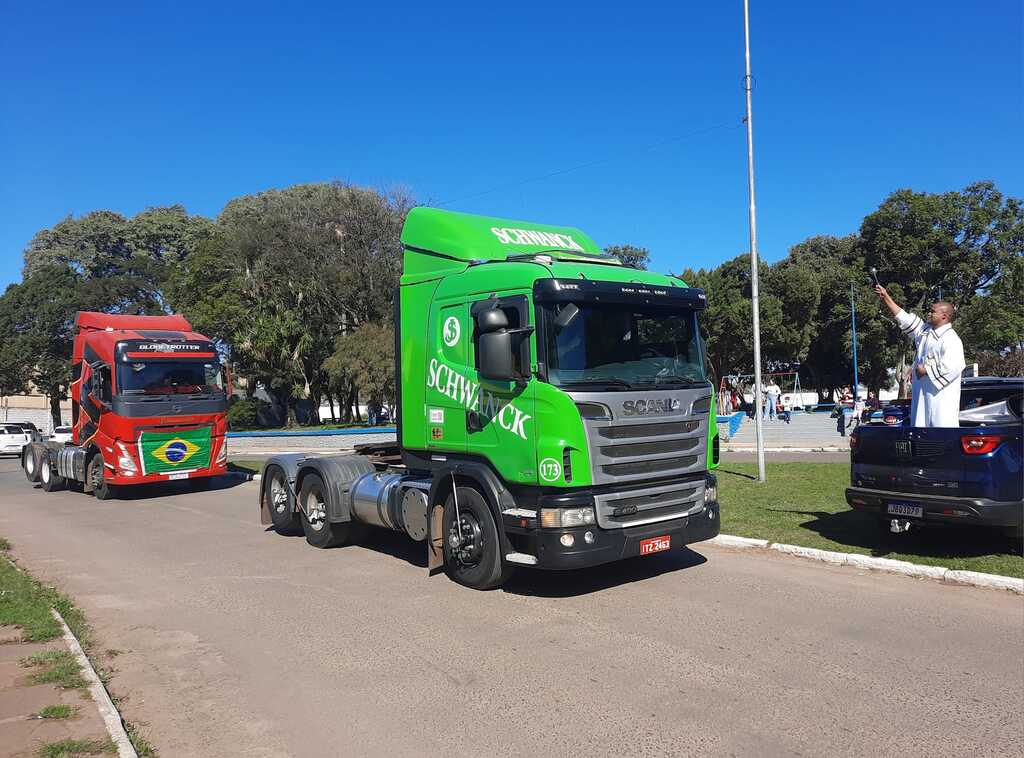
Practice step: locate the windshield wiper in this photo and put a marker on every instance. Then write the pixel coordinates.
(597, 381)
(671, 379)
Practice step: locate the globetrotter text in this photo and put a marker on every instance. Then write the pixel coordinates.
(454, 385)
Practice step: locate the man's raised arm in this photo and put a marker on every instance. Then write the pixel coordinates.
(911, 325)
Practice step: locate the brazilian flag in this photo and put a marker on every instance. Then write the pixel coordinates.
(167, 452)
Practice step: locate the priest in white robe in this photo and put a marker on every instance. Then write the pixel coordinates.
(938, 363)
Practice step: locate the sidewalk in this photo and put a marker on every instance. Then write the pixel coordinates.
(23, 732)
(807, 431)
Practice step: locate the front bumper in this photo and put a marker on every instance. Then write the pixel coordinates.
(119, 479)
(939, 509)
(616, 544)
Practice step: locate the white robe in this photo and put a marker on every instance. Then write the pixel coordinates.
(936, 398)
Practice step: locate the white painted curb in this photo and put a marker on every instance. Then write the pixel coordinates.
(99, 693)
(938, 573)
(830, 449)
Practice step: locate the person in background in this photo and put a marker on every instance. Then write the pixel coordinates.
(872, 403)
(772, 393)
(839, 416)
(938, 363)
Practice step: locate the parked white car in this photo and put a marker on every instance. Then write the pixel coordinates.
(61, 434)
(13, 439)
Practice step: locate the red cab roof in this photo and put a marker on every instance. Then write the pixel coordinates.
(90, 320)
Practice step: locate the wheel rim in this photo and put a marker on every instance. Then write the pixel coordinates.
(316, 510)
(44, 474)
(30, 462)
(466, 548)
(278, 495)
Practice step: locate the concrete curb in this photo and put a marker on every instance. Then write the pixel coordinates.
(937, 573)
(320, 433)
(107, 709)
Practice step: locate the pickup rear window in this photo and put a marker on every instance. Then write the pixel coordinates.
(977, 397)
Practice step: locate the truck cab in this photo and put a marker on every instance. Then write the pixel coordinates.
(553, 404)
(148, 404)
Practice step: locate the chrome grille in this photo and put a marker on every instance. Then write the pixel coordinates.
(649, 467)
(650, 448)
(647, 430)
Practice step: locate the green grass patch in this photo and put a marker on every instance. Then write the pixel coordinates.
(246, 465)
(58, 667)
(26, 603)
(76, 748)
(62, 711)
(804, 504)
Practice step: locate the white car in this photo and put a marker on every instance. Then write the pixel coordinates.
(61, 434)
(13, 439)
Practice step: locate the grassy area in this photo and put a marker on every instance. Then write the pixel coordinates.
(803, 504)
(76, 748)
(246, 465)
(62, 711)
(57, 667)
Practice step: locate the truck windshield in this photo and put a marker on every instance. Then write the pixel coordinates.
(170, 378)
(622, 346)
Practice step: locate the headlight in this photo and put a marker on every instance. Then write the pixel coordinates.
(125, 462)
(561, 518)
(222, 455)
(711, 492)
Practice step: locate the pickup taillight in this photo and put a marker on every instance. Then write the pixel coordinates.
(980, 444)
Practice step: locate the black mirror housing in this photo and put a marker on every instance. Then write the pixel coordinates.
(495, 358)
(491, 320)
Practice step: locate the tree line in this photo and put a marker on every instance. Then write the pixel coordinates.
(296, 288)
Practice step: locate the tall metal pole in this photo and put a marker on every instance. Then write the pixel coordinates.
(853, 319)
(754, 298)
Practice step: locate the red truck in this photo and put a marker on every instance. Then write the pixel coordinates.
(148, 404)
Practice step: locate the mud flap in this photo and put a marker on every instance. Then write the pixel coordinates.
(264, 508)
(435, 540)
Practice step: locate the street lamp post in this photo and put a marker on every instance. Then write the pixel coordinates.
(754, 302)
(853, 320)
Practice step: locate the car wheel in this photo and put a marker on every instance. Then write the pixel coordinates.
(472, 546)
(320, 532)
(276, 491)
(97, 479)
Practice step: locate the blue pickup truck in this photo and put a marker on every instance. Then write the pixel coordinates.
(914, 476)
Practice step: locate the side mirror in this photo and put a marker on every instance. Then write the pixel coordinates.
(496, 356)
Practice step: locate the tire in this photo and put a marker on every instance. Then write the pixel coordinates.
(477, 561)
(319, 531)
(275, 489)
(31, 457)
(96, 475)
(50, 480)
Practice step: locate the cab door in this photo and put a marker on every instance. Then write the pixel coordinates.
(501, 424)
(449, 391)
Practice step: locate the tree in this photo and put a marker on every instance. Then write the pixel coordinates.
(637, 257)
(37, 320)
(311, 262)
(367, 358)
(955, 246)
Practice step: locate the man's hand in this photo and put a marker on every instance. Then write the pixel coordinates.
(883, 295)
(920, 370)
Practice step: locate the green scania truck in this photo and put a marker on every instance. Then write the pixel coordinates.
(553, 410)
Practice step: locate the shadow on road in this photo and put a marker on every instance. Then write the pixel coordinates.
(395, 544)
(169, 489)
(531, 582)
(864, 530)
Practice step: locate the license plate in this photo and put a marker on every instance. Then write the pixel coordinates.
(655, 545)
(172, 477)
(906, 509)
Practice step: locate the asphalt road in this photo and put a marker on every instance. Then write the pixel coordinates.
(239, 642)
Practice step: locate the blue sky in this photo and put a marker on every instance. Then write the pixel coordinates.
(625, 122)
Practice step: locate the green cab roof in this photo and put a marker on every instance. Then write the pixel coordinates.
(468, 238)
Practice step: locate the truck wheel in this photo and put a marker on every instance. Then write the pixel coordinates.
(31, 455)
(319, 531)
(48, 476)
(472, 547)
(285, 520)
(96, 474)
